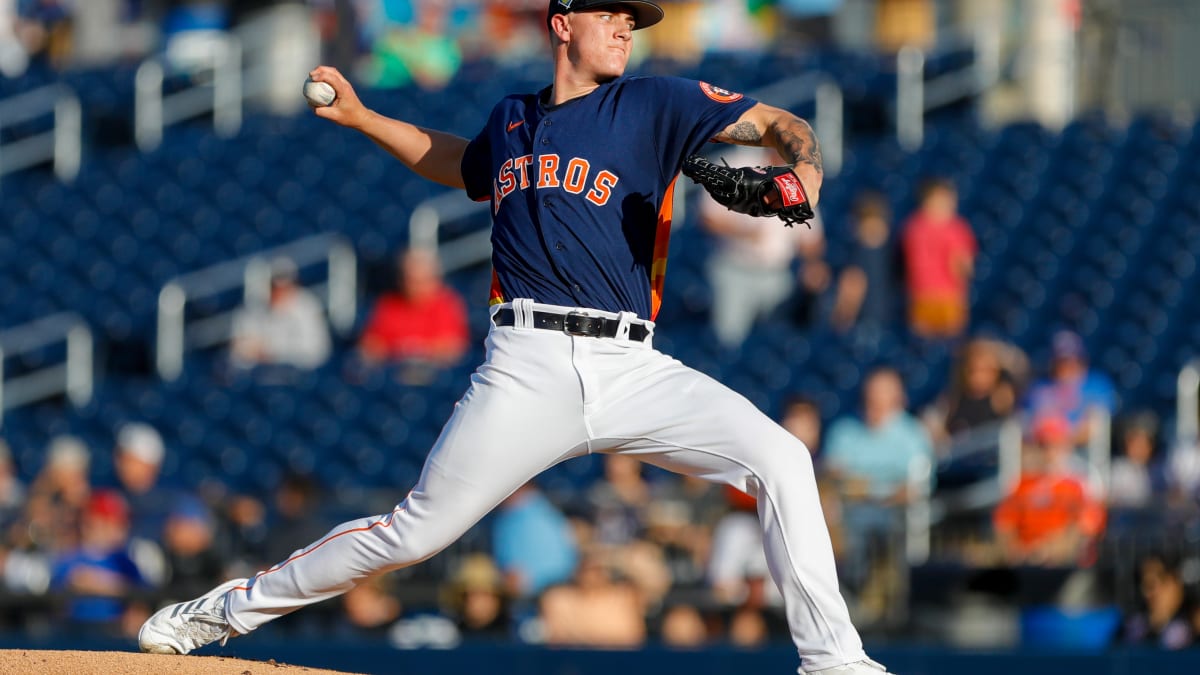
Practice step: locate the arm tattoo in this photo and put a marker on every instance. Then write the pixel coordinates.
(744, 133)
(797, 142)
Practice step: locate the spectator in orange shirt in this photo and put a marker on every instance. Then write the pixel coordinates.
(1050, 518)
(939, 259)
(424, 321)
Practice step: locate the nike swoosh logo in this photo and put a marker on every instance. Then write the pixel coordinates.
(514, 125)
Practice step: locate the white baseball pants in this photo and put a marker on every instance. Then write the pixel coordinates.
(541, 397)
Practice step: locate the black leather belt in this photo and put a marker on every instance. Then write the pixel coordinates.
(574, 323)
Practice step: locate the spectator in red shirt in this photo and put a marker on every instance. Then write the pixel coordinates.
(425, 321)
(939, 257)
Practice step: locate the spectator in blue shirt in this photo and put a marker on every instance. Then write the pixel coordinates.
(533, 543)
(100, 573)
(1073, 391)
(870, 460)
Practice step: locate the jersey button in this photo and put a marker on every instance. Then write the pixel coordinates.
(546, 202)
(545, 141)
(560, 246)
(549, 123)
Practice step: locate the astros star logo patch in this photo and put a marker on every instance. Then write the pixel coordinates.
(718, 94)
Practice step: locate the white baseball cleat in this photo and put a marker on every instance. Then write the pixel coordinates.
(864, 667)
(185, 626)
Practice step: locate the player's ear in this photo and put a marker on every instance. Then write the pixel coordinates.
(560, 28)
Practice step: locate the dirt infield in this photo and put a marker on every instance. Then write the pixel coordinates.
(26, 661)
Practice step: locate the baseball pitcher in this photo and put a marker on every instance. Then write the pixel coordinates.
(580, 178)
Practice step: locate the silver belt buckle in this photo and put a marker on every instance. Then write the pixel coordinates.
(582, 324)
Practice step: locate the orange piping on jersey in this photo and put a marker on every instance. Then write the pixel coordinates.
(662, 241)
(496, 297)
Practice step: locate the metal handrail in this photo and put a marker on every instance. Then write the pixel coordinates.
(253, 275)
(1187, 402)
(916, 96)
(917, 512)
(828, 121)
(73, 377)
(154, 111)
(62, 145)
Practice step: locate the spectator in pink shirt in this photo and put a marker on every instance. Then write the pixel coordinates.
(939, 257)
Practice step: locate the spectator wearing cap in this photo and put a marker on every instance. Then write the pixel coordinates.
(1073, 391)
(137, 462)
(99, 573)
(193, 564)
(57, 496)
(476, 600)
(289, 331)
(1051, 517)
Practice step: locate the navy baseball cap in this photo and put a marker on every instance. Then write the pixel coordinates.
(645, 14)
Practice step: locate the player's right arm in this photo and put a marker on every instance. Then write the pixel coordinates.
(434, 155)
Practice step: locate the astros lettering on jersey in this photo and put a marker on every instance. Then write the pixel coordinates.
(555, 181)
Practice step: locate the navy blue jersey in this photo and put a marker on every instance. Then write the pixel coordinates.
(581, 192)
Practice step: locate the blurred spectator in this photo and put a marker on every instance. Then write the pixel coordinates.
(939, 260)
(982, 391)
(802, 418)
(532, 543)
(806, 23)
(12, 491)
(193, 562)
(748, 628)
(1073, 391)
(1050, 518)
(137, 461)
(57, 497)
(683, 628)
(730, 26)
(900, 23)
(864, 295)
(423, 52)
(680, 520)
(593, 610)
(371, 607)
(751, 270)
(737, 571)
(1162, 620)
(1183, 472)
(289, 331)
(1138, 480)
(424, 320)
(476, 599)
(99, 573)
(43, 28)
(618, 506)
(871, 460)
(618, 501)
(295, 521)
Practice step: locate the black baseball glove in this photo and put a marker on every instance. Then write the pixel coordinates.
(762, 191)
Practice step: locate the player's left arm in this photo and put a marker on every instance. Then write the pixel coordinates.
(793, 138)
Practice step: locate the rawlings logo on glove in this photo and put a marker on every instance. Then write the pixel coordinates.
(760, 191)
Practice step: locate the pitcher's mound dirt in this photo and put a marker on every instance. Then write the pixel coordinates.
(26, 661)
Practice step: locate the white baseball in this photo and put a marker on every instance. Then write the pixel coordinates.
(319, 94)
